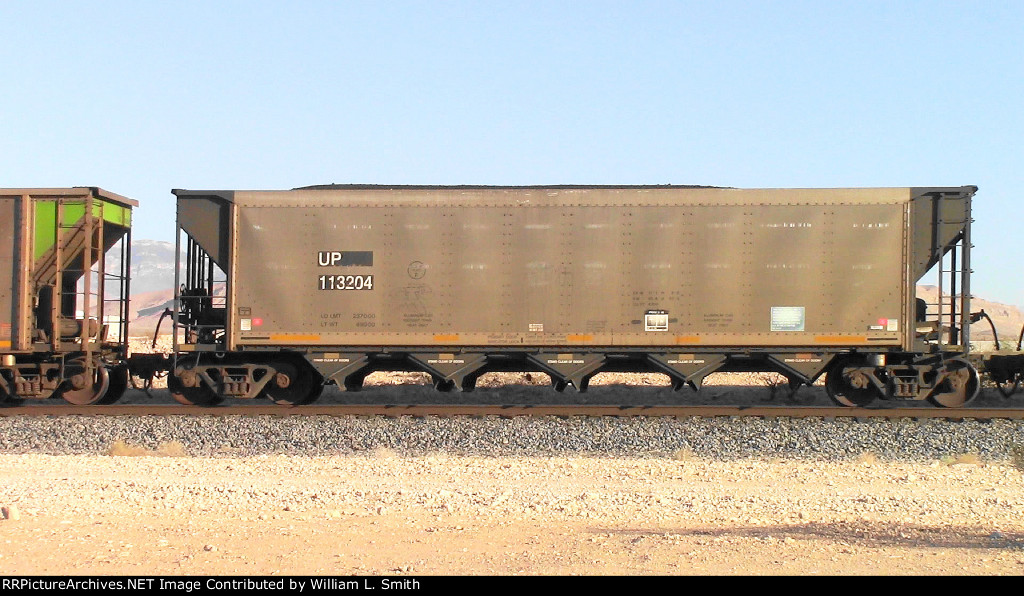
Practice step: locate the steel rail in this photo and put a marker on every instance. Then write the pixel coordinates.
(448, 411)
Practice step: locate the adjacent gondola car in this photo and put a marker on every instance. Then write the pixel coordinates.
(64, 293)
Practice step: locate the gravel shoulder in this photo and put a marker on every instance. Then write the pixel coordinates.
(380, 513)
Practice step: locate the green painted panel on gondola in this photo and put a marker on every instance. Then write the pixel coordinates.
(46, 219)
(117, 214)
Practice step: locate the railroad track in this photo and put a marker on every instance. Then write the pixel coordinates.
(449, 410)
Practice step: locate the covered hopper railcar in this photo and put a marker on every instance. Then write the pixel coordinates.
(284, 291)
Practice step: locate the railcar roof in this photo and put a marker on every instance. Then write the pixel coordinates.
(76, 191)
(716, 193)
(493, 187)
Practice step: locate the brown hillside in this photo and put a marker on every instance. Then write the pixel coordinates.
(1008, 319)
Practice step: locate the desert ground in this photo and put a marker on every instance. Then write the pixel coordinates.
(133, 511)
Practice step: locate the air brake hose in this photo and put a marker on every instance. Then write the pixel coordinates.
(156, 333)
(977, 316)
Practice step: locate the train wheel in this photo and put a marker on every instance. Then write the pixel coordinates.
(314, 394)
(118, 385)
(201, 395)
(959, 387)
(291, 385)
(852, 389)
(82, 388)
(8, 399)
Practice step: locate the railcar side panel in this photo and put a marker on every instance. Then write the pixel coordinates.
(516, 267)
(8, 272)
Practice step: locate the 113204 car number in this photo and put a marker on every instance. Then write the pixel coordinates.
(346, 282)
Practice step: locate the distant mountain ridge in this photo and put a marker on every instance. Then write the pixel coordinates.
(152, 265)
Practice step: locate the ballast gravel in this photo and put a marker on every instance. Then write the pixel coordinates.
(833, 439)
(722, 438)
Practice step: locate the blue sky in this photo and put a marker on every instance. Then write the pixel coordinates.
(142, 97)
